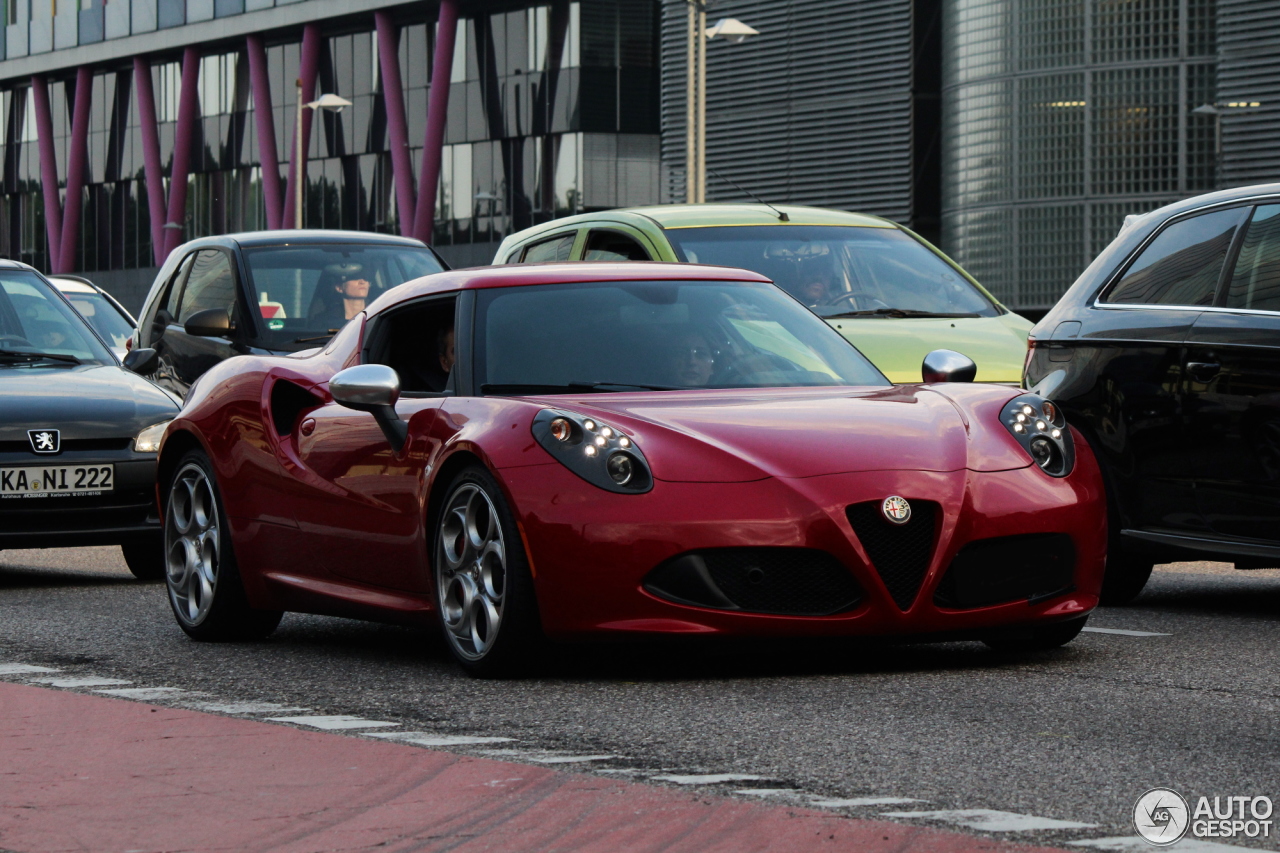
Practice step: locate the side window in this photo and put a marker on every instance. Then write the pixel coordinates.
(168, 300)
(1183, 264)
(210, 284)
(1255, 284)
(555, 249)
(418, 342)
(612, 246)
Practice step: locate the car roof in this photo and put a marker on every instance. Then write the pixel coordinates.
(249, 239)
(525, 275)
(71, 285)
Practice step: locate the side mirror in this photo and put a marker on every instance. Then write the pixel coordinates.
(141, 361)
(944, 365)
(372, 388)
(159, 324)
(210, 323)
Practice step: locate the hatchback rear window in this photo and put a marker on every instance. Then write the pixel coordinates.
(1183, 264)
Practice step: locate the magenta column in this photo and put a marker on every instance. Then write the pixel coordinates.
(188, 115)
(77, 163)
(424, 218)
(397, 127)
(268, 156)
(309, 66)
(48, 170)
(151, 154)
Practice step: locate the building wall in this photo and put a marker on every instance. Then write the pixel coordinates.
(1061, 117)
(833, 104)
(1249, 75)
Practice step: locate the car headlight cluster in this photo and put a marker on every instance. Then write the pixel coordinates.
(598, 453)
(148, 441)
(1041, 429)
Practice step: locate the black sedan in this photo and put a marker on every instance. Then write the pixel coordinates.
(1166, 354)
(78, 431)
(266, 293)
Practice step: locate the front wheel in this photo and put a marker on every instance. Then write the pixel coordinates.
(1035, 638)
(203, 580)
(484, 590)
(145, 560)
(1124, 578)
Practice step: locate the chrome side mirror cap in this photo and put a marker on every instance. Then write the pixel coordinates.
(944, 365)
(372, 388)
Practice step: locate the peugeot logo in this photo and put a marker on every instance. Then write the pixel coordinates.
(896, 509)
(44, 440)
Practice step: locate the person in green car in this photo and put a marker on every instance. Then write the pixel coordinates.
(891, 294)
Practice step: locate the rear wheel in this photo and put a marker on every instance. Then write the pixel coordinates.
(484, 590)
(205, 589)
(1036, 638)
(145, 559)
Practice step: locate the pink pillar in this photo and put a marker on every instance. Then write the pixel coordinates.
(151, 154)
(309, 66)
(188, 115)
(77, 163)
(397, 127)
(268, 156)
(48, 170)
(424, 218)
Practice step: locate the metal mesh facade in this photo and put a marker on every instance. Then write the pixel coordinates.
(1061, 117)
(1249, 73)
(828, 105)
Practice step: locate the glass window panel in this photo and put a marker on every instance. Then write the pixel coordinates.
(211, 284)
(1183, 264)
(555, 249)
(1255, 284)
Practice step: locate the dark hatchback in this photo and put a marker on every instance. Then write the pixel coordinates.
(266, 292)
(78, 431)
(1165, 353)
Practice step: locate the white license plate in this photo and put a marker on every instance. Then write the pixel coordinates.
(45, 481)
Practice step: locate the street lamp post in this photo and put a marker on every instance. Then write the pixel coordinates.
(1217, 111)
(329, 102)
(729, 29)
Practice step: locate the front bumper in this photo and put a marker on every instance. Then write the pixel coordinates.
(125, 514)
(591, 551)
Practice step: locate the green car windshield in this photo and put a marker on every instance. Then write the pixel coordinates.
(841, 271)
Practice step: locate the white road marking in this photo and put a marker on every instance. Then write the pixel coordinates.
(83, 681)
(143, 692)
(1126, 633)
(432, 739)
(334, 722)
(621, 771)
(768, 792)
(989, 820)
(244, 707)
(570, 759)
(23, 669)
(710, 778)
(1134, 843)
(825, 803)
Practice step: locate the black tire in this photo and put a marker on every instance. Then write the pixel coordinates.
(1035, 638)
(472, 585)
(202, 578)
(145, 559)
(1125, 577)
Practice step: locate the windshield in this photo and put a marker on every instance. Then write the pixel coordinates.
(622, 336)
(113, 326)
(305, 293)
(34, 320)
(840, 270)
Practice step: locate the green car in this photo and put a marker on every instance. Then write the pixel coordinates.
(889, 292)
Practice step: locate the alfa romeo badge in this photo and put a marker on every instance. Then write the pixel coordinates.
(896, 509)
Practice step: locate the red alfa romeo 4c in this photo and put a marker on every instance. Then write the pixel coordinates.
(581, 450)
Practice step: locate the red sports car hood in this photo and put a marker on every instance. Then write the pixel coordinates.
(736, 436)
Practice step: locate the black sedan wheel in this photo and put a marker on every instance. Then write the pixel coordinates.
(484, 590)
(204, 584)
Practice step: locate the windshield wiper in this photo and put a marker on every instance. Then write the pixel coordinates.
(569, 388)
(896, 312)
(35, 356)
(600, 386)
(332, 332)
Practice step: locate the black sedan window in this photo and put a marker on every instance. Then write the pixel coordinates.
(37, 326)
(1183, 264)
(1255, 284)
(656, 335)
(304, 293)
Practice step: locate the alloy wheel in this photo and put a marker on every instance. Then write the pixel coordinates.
(471, 572)
(191, 539)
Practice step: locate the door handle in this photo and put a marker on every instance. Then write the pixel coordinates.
(1203, 371)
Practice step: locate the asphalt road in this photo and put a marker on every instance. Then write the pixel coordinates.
(1077, 734)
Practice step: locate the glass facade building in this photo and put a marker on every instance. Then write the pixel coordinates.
(1060, 117)
(552, 109)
